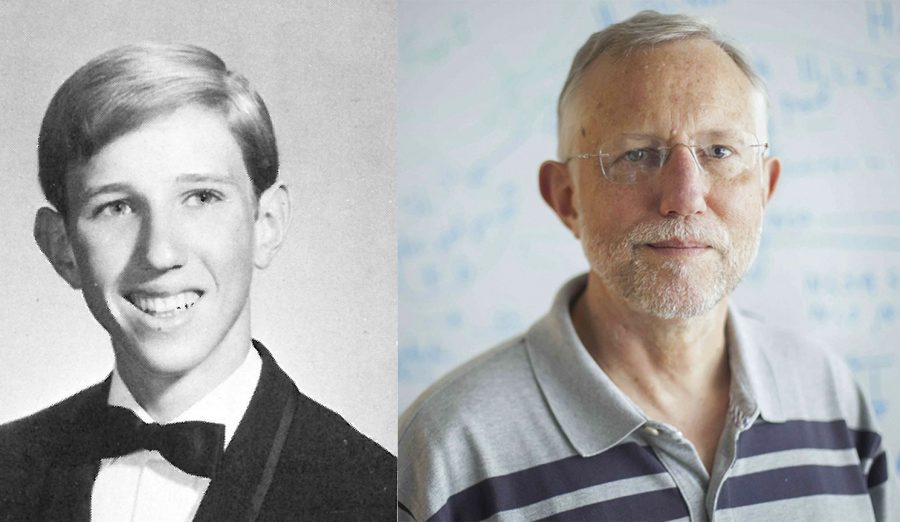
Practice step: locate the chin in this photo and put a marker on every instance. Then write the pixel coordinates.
(162, 355)
(675, 305)
(675, 291)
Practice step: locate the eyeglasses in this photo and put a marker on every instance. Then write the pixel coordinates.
(630, 162)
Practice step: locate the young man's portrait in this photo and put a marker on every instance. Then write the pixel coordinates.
(182, 153)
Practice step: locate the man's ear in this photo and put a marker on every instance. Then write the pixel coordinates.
(51, 235)
(272, 219)
(773, 171)
(558, 190)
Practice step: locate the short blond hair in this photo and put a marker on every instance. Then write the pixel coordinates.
(120, 90)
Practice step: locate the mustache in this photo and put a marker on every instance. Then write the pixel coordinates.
(691, 230)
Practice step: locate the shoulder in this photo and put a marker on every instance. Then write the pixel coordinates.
(473, 393)
(483, 419)
(794, 351)
(52, 424)
(328, 451)
(812, 379)
(28, 446)
(822, 406)
(324, 437)
(326, 457)
(344, 442)
(785, 345)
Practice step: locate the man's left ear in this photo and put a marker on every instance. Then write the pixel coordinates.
(773, 171)
(272, 219)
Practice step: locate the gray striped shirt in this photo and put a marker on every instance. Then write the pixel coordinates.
(533, 429)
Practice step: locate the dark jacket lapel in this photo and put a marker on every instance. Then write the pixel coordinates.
(246, 471)
(327, 469)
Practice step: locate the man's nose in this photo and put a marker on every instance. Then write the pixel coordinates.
(161, 246)
(683, 184)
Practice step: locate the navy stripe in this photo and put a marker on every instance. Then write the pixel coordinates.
(868, 443)
(771, 437)
(878, 474)
(663, 504)
(767, 437)
(531, 485)
(793, 482)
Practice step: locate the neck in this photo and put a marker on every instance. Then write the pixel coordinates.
(166, 395)
(657, 362)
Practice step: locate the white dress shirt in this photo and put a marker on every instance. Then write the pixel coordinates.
(144, 486)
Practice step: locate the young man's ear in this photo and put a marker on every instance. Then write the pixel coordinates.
(557, 189)
(51, 235)
(272, 220)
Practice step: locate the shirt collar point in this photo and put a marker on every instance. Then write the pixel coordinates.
(575, 388)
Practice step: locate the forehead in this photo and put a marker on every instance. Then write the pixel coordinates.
(679, 87)
(190, 140)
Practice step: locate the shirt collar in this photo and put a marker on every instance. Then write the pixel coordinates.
(754, 388)
(225, 404)
(594, 413)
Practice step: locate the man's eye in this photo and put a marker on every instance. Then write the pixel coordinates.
(114, 208)
(719, 151)
(202, 198)
(636, 155)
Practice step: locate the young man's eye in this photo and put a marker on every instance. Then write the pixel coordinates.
(202, 197)
(113, 208)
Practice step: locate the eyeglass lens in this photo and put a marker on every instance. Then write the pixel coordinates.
(634, 162)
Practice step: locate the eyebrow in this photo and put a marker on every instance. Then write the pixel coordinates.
(189, 177)
(206, 178)
(715, 133)
(92, 192)
(725, 134)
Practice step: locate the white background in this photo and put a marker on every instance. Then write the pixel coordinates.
(327, 306)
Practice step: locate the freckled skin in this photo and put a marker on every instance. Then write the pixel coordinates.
(673, 364)
(675, 90)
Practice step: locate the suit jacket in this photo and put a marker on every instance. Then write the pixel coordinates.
(290, 459)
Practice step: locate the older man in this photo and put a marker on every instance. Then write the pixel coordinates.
(642, 395)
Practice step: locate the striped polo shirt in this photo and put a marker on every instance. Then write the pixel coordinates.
(534, 430)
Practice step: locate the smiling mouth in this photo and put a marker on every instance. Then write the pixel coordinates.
(164, 305)
(678, 244)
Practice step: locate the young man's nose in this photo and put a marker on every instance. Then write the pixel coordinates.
(683, 185)
(161, 246)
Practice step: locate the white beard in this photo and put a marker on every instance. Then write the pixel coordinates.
(674, 288)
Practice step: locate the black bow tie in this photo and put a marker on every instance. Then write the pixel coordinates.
(194, 447)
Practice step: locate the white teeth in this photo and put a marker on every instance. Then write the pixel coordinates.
(167, 305)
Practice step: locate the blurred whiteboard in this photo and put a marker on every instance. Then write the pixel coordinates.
(481, 256)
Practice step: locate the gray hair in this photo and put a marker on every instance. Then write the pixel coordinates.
(648, 29)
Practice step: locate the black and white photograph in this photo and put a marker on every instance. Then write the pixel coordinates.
(199, 262)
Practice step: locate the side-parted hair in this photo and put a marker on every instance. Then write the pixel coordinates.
(120, 90)
(643, 30)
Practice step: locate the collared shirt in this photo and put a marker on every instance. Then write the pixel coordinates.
(534, 428)
(144, 486)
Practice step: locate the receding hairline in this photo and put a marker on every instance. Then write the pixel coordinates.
(646, 31)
